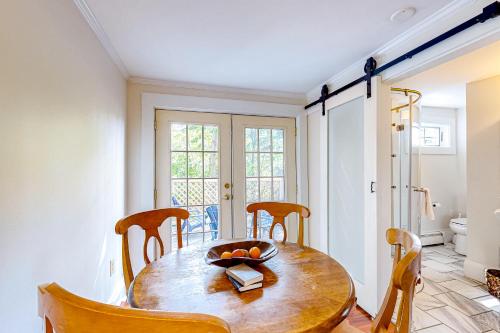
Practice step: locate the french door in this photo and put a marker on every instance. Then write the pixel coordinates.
(214, 164)
(192, 173)
(263, 170)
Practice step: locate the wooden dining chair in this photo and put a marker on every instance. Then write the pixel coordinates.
(280, 210)
(64, 312)
(405, 275)
(149, 221)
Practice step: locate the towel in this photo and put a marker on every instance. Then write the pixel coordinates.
(426, 206)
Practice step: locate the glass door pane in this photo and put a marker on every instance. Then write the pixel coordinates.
(406, 143)
(415, 180)
(346, 190)
(194, 172)
(264, 174)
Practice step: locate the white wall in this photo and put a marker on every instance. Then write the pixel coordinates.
(62, 145)
(444, 174)
(483, 176)
(462, 159)
(317, 171)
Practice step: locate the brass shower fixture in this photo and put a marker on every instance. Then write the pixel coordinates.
(417, 93)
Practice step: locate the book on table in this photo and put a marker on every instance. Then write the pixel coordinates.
(242, 288)
(244, 275)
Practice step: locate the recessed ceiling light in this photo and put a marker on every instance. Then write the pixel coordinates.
(403, 14)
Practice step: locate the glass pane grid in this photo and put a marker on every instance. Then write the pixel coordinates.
(265, 173)
(195, 180)
(194, 151)
(206, 178)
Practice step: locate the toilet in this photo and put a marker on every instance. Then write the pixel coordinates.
(459, 227)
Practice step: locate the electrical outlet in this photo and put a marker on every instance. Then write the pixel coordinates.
(111, 267)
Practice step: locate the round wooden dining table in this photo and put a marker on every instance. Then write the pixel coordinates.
(303, 290)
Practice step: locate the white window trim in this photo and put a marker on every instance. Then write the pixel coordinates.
(440, 116)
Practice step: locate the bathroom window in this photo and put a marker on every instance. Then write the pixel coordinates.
(431, 136)
(435, 135)
(438, 131)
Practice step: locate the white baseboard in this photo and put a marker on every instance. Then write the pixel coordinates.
(474, 270)
(436, 237)
(433, 238)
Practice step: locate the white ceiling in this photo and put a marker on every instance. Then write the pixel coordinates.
(286, 45)
(444, 85)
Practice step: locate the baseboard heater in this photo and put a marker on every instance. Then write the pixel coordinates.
(432, 238)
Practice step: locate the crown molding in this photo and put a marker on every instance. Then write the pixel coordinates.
(442, 20)
(96, 27)
(289, 97)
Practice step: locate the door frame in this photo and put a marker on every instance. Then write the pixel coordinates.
(141, 174)
(140, 179)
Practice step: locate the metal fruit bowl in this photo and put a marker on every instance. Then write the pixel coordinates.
(267, 248)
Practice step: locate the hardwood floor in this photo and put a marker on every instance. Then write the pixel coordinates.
(360, 319)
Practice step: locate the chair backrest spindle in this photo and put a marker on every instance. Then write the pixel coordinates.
(280, 210)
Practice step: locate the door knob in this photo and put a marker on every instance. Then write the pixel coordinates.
(227, 197)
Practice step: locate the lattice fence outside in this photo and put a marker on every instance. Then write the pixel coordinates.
(200, 192)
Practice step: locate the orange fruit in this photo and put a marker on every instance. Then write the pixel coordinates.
(226, 255)
(245, 253)
(254, 252)
(238, 253)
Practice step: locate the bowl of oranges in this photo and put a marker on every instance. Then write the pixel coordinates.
(251, 252)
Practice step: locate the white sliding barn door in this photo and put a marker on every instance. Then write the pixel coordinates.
(353, 231)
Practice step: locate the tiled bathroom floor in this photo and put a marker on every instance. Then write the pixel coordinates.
(449, 302)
